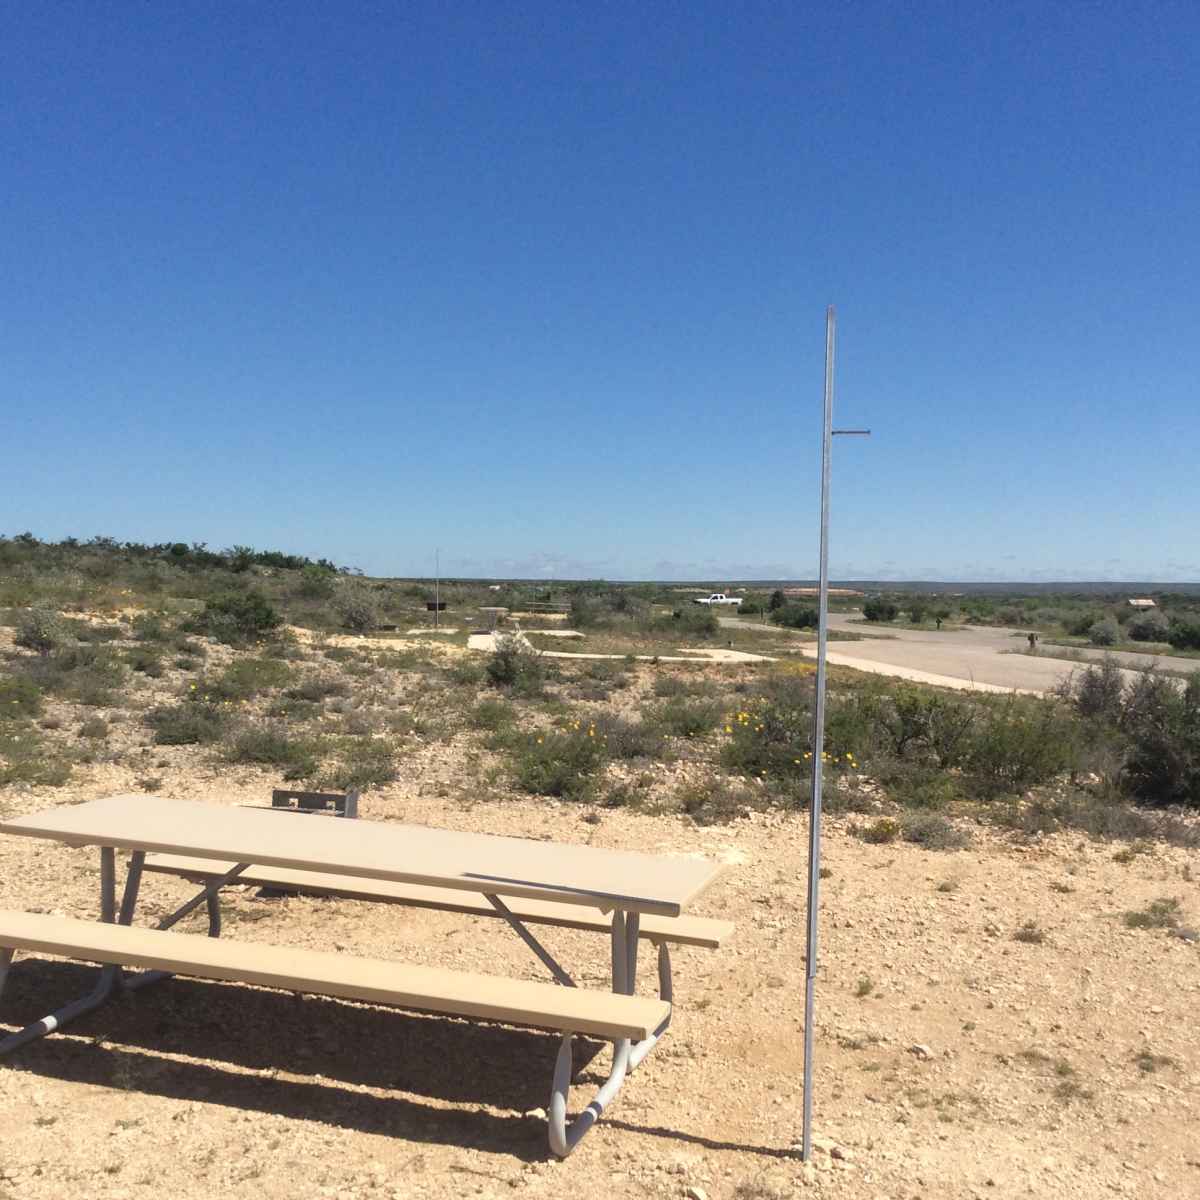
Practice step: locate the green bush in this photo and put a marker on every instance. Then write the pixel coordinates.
(1105, 632)
(1017, 744)
(43, 630)
(630, 739)
(26, 757)
(680, 717)
(918, 610)
(1099, 691)
(879, 609)
(492, 715)
(1184, 635)
(95, 728)
(145, 660)
(933, 832)
(796, 616)
(357, 606)
(274, 746)
(19, 697)
(714, 801)
(694, 621)
(245, 678)
(238, 618)
(1162, 722)
(362, 763)
(558, 763)
(770, 736)
(193, 722)
(515, 665)
(1150, 626)
(316, 582)
(315, 688)
(880, 832)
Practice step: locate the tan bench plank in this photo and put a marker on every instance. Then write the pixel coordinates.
(376, 981)
(476, 862)
(683, 931)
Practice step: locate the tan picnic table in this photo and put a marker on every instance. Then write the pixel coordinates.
(631, 895)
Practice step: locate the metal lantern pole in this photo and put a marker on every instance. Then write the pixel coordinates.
(437, 587)
(818, 739)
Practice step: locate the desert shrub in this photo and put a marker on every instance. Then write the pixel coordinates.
(95, 728)
(513, 664)
(777, 601)
(630, 739)
(363, 763)
(933, 832)
(1149, 626)
(274, 746)
(918, 610)
(43, 630)
(558, 763)
(675, 685)
(1098, 691)
(19, 697)
(1158, 914)
(84, 674)
(1080, 624)
(357, 607)
(924, 725)
(586, 612)
(694, 621)
(714, 801)
(238, 617)
(316, 582)
(881, 832)
(149, 627)
(796, 616)
(316, 688)
(245, 678)
(493, 714)
(192, 722)
(1162, 724)
(681, 717)
(145, 660)
(878, 609)
(915, 786)
(1016, 744)
(1105, 632)
(770, 735)
(25, 757)
(1184, 635)
(465, 672)
(95, 631)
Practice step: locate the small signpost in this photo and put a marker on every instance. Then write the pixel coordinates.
(818, 739)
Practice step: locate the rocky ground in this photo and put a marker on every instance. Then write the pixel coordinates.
(953, 1059)
(988, 1025)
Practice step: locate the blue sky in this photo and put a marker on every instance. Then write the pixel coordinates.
(544, 284)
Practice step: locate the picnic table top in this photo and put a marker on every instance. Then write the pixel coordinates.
(503, 866)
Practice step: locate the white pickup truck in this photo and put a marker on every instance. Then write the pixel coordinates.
(718, 598)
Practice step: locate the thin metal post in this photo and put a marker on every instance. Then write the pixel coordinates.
(818, 745)
(818, 738)
(437, 587)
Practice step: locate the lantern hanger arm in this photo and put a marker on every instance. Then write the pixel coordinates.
(861, 432)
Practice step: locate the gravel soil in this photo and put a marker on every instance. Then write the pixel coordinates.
(954, 1057)
(974, 1064)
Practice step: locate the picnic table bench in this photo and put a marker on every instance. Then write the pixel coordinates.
(630, 896)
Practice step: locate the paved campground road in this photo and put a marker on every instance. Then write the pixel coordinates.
(973, 657)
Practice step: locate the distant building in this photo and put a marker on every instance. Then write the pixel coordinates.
(1141, 604)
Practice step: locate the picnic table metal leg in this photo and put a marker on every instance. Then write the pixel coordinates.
(106, 983)
(626, 938)
(208, 896)
(563, 1137)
